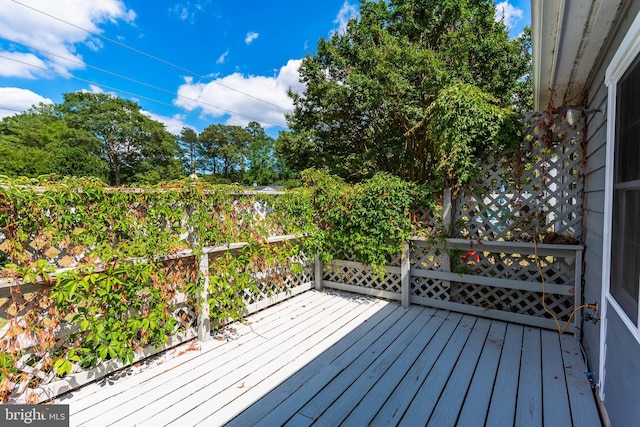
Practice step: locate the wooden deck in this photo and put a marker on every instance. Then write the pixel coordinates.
(332, 358)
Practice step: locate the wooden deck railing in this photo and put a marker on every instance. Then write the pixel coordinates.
(501, 280)
(52, 386)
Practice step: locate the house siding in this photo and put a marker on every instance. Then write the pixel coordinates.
(622, 362)
(622, 378)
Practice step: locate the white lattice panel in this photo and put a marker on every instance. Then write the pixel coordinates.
(278, 279)
(546, 195)
(360, 275)
(429, 258)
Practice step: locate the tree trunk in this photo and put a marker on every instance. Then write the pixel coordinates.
(116, 170)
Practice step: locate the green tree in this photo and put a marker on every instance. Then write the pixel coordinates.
(188, 140)
(40, 141)
(369, 91)
(262, 165)
(135, 146)
(222, 149)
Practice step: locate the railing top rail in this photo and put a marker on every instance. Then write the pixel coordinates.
(526, 247)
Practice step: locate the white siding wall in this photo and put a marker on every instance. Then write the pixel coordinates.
(622, 366)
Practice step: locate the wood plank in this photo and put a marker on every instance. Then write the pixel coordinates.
(450, 402)
(583, 410)
(395, 406)
(554, 388)
(550, 288)
(524, 248)
(359, 337)
(391, 269)
(300, 389)
(176, 388)
(402, 331)
(529, 406)
(339, 409)
(268, 376)
(506, 316)
(503, 399)
(205, 395)
(375, 398)
(476, 403)
(362, 362)
(426, 398)
(362, 290)
(95, 393)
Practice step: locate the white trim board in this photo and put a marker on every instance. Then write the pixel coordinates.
(623, 58)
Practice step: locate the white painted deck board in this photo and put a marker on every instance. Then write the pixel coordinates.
(401, 332)
(582, 412)
(476, 404)
(364, 382)
(378, 394)
(554, 390)
(529, 408)
(505, 389)
(330, 358)
(427, 397)
(275, 409)
(450, 401)
(92, 394)
(205, 387)
(391, 412)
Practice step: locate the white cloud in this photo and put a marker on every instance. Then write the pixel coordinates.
(240, 108)
(23, 25)
(173, 124)
(98, 89)
(251, 36)
(16, 99)
(222, 58)
(347, 12)
(508, 13)
(187, 10)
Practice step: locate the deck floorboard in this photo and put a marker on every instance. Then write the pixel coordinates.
(334, 358)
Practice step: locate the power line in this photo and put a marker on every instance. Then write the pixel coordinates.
(125, 78)
(11, 109)
(124, 91)
(155, 58)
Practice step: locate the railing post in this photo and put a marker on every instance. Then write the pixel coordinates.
(317, 264)
(405, 276)
(202, 300)
(447, 221)
(577, 318)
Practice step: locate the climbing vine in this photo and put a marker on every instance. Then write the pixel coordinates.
(99, 274)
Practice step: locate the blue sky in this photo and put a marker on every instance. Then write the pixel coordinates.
(186, 62)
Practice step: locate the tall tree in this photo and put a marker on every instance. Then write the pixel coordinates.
(40, 141)
(262, 165)
(189, 144)
(222, 149)
(129, 139)
(369, 91)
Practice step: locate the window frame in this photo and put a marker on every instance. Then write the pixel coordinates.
(626, 55)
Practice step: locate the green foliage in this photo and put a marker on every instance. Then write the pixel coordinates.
(367, 90)
(120, 294)
(40, 142)
(370, 220)
(131, 143)
(466, 126)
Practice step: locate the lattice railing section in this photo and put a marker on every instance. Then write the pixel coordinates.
(555, 270)
(278, 280)
(538, 192)
(507, 280)
(427, 257)
(355, 274)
